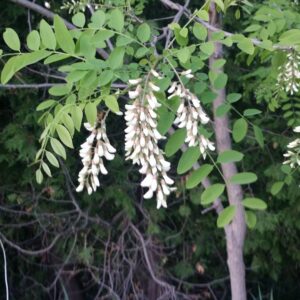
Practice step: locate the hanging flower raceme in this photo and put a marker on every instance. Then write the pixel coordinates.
(142, 139)
(190, 115)
(289, 75)
(93, 150)
(293, 154)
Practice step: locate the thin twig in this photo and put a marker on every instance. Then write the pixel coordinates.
(5, 270)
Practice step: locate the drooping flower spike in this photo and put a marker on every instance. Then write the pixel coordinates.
(190, 115)
(289, 75)
(293, 154)
(93, 151)
(141, 140)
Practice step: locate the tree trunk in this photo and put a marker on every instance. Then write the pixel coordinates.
(235, 232)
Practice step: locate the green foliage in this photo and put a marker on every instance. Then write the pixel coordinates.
(188, 159)
(226, 216)
(212, 193)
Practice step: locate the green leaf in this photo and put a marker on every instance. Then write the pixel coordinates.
(64, 135)
(223, 109)
(221, 81)
(141, 52)
(254, 203)
(219, 63)
(266, 44)
(68, 123)
(39, 176)
(116, 20)
(175, 142)
(55, 57)
(208, 48)
(101, 36)
(259, 136)
(91, 112)
(45, 104)
(52, 159)
(246, 45)
(251, 112)
(243, 178)
(60, 90)
(184, 54)
(77, 116)
(234, 97)
(250, 219)
(47, 35)
(252, 28)
(200, 32)
(116, 58)
(184, 210)
(11, 39)
(220, 4)
(46, 169)
(33, 40)
(226, 216)
(58, 148)
(240, 129)
(276, 187)
(19, 62)
(98, 19)
(144, 33)
(105, 77)
(123, 40)
(184, 32)
(203, 14)
(212, 193)
(79, 19)
(230, 156)
(112, 103)
(181, 40)
(290, 37)
(166, 119)
(63, 36)
(197, 176)
(188, 159)
(76, 75)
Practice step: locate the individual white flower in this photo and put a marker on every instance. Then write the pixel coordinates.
(93, 150)
(293, 153)
(141, 143)
(189, 116)
(297, 129)
(155, 74)
(289, 74)
(188, 74)
(134, 81)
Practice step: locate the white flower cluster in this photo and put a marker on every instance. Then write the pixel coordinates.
(93, 150)
(190, 115)
(289, 75)
(293, 153)
(142, 139)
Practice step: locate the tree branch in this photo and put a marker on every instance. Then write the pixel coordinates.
(47, 85)
(236, 230)
(28, 86)
(30, 252)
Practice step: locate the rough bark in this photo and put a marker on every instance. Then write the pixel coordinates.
(235, 232)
